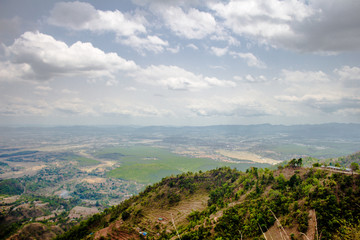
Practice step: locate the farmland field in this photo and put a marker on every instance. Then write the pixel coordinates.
(83, 161)
(150, 164)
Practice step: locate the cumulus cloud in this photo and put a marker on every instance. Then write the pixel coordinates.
(304, 76)
(176, 78)
(219, 51)
(15, 71)
(309, 26)
(251, 59)
(322, 92)
(327, 103)
(251, 79)
(261, 18)
(149, 43)
(192, 25)
(349, 76)
(174, 50)
(301, 25)
(347, 72)
(83, 16)
(332, 28)
(167, 3)
(39, 56)
(129, 28)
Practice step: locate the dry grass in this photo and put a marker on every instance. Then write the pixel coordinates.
(100, 167)
(179, 212)
(82, 212)
(92, 180)
(116, 232)
(243, 155)
(35, 231)
(276, 233)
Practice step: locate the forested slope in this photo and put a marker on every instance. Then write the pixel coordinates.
(224, 203)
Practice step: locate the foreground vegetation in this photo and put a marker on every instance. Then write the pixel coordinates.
(288, 203)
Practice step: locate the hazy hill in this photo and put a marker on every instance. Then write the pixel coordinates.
(227, 204)
(343, 162)
(346, 161)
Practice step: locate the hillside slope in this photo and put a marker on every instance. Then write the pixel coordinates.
(227, 204)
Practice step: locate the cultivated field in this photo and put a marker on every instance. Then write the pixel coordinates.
(243, 155)
(150, 164)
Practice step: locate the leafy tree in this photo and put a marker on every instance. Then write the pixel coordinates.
(354, 166)
(295, 163)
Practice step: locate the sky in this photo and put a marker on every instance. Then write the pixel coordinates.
(178, 62)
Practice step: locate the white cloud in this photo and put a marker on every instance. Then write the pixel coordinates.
(68, 91)
(192, 25)
(320, 26)
(219, 51)
(304, 76)
(349, 77)
(174, 50)
(251, 59)
(74, 106)
(223, 35)
(150, 43)
(43, 88)
(130, 29)
(309, 26)
(325, 102)
(322, 92)
(348, 73)
(176, 78)
(251, 79)
(193, 46)
(111, 82)
(217, 67)
(79, 107)
(114, 107)
(262, 18)
(41, 57)
(83, 16)
(15, 71)
(245, 106)
(166, 3)
(131, 89)
(333, 28)
(17, 106)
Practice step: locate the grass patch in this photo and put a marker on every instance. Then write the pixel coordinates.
(144, 173)
(83, 161)
(149, 164)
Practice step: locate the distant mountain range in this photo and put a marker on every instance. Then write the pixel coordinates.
(346, 130)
